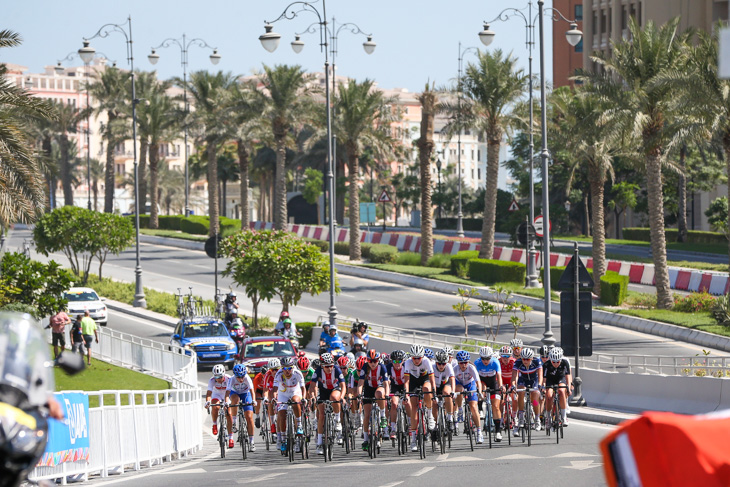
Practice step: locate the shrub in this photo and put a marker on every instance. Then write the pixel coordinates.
(721, 310)
(613, 288)
(341, 248)
(305, 328)
(383, 254)
(442, 261)
(365, 249)
(408, 258)
(169, 222)
(693, 236)
(694, 302)
(462, 258)
(197, 225)
(490, 271)
(323, 245)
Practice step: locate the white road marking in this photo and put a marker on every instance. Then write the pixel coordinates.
(270, 476)
(607, 427)
(422, 471)
(582, 465)
(387, 304)
(461, 459)
(238, 469)
(571, 454)
(190, 470)
(392, 485)
(516, 456)
(442, 458)
(164, 470)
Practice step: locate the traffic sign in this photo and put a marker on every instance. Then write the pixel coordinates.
(384, 198)
(211, 246)
(538, 224)
(513, 206)
(522, 233)
(567, 280)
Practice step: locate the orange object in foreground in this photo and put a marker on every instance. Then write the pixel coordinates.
(667, 449)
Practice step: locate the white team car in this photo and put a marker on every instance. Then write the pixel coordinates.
(81, 299)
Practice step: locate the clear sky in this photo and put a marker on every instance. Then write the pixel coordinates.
(417, 40)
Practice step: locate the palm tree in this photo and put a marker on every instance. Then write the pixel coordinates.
(42, 130)
(429, 106)
(171, 182)
(97, 173)
(209, 94)
(67, 121)
(362, 120)
(287, 100)
(161, 120)
(490, 88)
(643, 109)
(147, 86)
(111, 92)
(22, 196)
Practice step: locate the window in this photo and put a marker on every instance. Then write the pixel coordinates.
(578, 12)
(624, 18)
(479, 154)
(579, 46)
(603, 22)
(479, 173)
(472, 173)
(467, 132)
(120, 168)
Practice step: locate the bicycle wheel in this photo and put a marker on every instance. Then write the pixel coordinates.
(242, 432)
(345, 417)
(548, 422)
(507, 420)
(469, 424)
(290, 435)
(528, 423)
(421, 438)
(222, 434)
(265, 427)
(489, 422)
(373, 433)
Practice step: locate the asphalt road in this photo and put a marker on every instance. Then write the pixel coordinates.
(167, 268)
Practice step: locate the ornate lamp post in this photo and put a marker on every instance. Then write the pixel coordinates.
(460, 214)
(184, 46)
(87, 54)
(438, 170)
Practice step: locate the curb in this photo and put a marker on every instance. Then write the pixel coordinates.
(600, 416)
(140, 313)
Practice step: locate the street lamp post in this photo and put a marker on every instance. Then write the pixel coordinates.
(270, 41)
(87, 54)
(573, 36)
(460, 214)
(438, 171)
(184, 46)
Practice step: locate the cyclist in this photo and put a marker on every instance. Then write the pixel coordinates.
(397, 374)
(353, 378)
(490, 373)
(358, 347)
(544, 354)
(506, 363)
(329, 382)
(467, 379)
(288, 385)
(269, 396)
(516, 344)
(216, 394)
(452, 360)
(527, 373)
(239, 391)
(556, 371)
(443, 374)
(305, 367)
(258, 387)
(428, 353)
(374, 385)
(419, 376)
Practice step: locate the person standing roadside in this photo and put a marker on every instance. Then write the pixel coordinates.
(77, 338)
(89, 331)
(58, 324)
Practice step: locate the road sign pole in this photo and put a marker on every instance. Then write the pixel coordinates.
(577, 398)
(216, 261)
(384, 216)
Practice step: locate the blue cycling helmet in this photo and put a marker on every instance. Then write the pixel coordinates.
(239, 370)
(463, 356)
(428, 353)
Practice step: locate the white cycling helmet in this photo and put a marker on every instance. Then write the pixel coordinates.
(218, 371)
(556, 354)
(486, 352)
(449, 351)
(527, 353)
(515, 343)
(274, 363)
(417, 351)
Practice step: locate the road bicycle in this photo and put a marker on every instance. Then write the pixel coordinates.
(470, 426)
(401, 424)
(526, 427)
(508, 418)
(243, 429)
(265, 430)
(328, 438)
(553, 418)
(221, 422)
(442, 432)
(421, 428)
(294, 441)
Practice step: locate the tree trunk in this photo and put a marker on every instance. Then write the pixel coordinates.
(617, 218)
(46, 147)
(586, 214)
(280, 215)
(656, 227)
(144, 148)
(494, 140)
(425, 149)
(212, 186)
(597, 182)
(354, 210)
(95, 189)
(109, 170)
(68, 194)
(339, 195)
(243, 169)
(154, 168)
(682, 196)
(224, 196)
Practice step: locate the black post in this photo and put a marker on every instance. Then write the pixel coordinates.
(215, 236)
(577, 399)
(383, 216)
(528, 255)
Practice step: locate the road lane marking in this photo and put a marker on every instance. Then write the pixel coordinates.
(190, 470)
(607, 427)
(269, 476)
(582, 465)
(165, 470)
(516, 456)
(422, 471)
(387, 304)
(392, 484)
(571, 454)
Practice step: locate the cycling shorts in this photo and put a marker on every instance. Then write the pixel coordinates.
(244, 398)
(417, 382)
(324, 394)
(491, 383)
(440, 389)
(259, 392)
(523, 381)
(397, 388)
(286, 396)
(368, 393)
(470, 387)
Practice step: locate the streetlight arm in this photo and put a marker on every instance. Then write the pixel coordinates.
(508, 13)
(354, 28)
(107, 29)
(295, 8)
(556, 15)
(169, 42)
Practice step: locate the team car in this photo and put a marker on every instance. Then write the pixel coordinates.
(208, 338)
(81, 299)
(258, 350)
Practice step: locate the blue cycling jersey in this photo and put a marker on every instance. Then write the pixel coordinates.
(528, 373)
(488, 370)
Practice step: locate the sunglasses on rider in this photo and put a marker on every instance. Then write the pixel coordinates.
(374, 361)
(327, 366)
(440, 363)
(463, 363)
(505, 355)
(286, 369)
(397, 361)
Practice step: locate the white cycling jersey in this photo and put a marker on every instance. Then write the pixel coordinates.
(291, 386)
(442, 376)
(240, 387)
(218, 389)
(464, 377)
(416, 371)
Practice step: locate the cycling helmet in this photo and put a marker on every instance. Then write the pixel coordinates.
(373, 354)
(232, 294)
(316, 363)
(417, 351)
(449, 351)
(301, 353)
(342, 362)
(351, 363)
(350, 355)
(544, 351)
(527, 353)
(463, 356)
(327, 359)
(505, 351)
(274, 363)
(398, 355)
(556, 354)
(284, 314)
(486, 352)
(442, 357)
(361, 363)
(515, 343)
(303, 363)
(358, 341)
(428, 353)
(384, 358)
(288, 362)
(264, 368)
(218, 371)
(239, 370)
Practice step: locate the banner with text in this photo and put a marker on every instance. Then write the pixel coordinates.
(68, 440)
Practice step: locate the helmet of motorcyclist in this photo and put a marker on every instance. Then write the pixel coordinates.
(284, 314)
(286, 322)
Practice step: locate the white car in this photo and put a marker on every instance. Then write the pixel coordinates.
(81, 299)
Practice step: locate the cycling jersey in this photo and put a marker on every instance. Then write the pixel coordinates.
(416, 371)
(240, 387)
(465, 377)
(528, 374)
(289, 385)
(353, 375)
(374, 377)
(218, 389)
(334, 342)
(489, 370)
(269, 380)
(555, 375)
(330, 380)
(507, 367)
(442, 376)
(258, 382)
(397, 377)
(308, 375)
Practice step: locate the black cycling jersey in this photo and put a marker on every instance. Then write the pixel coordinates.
(553, 375)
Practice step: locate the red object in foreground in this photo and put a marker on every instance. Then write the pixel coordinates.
(667, 449)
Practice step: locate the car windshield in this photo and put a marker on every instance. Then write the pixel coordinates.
(269, 349)
(198, 330)
(81, 296)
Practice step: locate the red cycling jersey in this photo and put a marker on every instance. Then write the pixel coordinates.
(258, 382)
(507, 368)
(269, 380)
(397, 376)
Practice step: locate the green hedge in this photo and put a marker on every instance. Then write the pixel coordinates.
(490, 271)
(463, 258)
(613, 289)
(693, 236)
(197, 225)
(169, 222)
(383, 254)
(323, 245)
(305, 328)
(341, 248)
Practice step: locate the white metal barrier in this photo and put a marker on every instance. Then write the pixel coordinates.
(131, 429)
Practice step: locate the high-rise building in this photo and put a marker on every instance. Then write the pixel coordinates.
(566, 58)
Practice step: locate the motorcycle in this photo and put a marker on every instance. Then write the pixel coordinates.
(238, 333)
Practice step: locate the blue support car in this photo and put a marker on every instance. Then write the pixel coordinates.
(208, 338)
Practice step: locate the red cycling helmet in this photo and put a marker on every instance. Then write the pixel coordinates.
(373, 355)
(303, 363)
(342, 362)
(361, 361)
(301, 353)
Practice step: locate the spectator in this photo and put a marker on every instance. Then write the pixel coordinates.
(77, 338)
(58, 324)
(89, 331)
